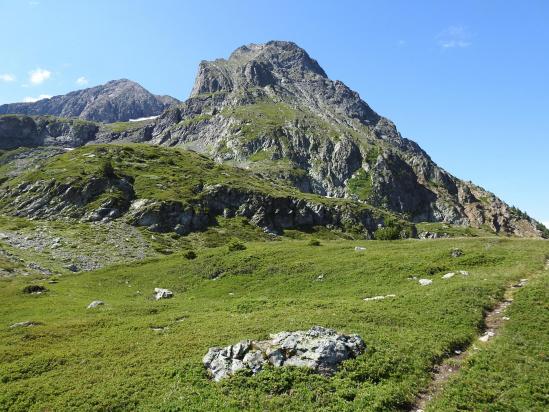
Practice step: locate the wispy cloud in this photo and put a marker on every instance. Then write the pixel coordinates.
(30, 99)
(39, 76)
(454, 37)
(7, 77)
(82, 81)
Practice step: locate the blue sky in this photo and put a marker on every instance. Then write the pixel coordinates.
(467, 80)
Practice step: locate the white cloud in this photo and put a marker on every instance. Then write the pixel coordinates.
(7, 77)
(29, 99)
(454, 37)
(39, 76)
(82, 81)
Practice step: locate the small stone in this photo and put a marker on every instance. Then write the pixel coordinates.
(505, 318)
(72, 267)
(95, 304)
(160, 293)
(486, 336)
(24, 324)
(463, 273)
(456, 252)
(425, 282)
(320, 278)
(448, 275)
(359, 248)
(379, 297)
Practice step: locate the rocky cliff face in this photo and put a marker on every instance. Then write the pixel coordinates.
(272, 109)
(115, 101)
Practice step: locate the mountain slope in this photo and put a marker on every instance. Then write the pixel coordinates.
(272, 109)
(165, 190)
(115, 101)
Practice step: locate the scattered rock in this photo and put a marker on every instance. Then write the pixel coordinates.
(158, 328)
(448, 275)
(463, 272)
(456, 252)
(72, 267)
(24, 324)
(318, 348)
(320, 278)
(95, 304)
(484, 338)
(34, 289)
(379, 297)
(425, 282)
(359, 248)
(160, 293)
(431, 235)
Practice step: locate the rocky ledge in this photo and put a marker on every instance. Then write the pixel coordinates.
(319, 348)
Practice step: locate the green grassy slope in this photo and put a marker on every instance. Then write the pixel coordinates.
(111, 359)
(512, 374)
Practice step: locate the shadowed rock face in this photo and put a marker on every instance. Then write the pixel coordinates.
(115, 101)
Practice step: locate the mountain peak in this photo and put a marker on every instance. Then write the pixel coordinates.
(258, 65)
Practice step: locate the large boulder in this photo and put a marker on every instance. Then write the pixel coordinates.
(318, 348)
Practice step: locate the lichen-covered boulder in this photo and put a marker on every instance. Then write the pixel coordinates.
(319, 348)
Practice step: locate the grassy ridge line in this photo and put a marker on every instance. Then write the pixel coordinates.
(512, 374)
(110, 359)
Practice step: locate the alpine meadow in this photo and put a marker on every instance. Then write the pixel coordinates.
(270, 243)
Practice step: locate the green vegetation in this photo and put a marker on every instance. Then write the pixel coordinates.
(262, 118)
(544, 231)
(360, 184)
(314, 242)
(196, 119)
(120, 127)
(512, 374)
(235, 245)
(453, 230)
(135, 353)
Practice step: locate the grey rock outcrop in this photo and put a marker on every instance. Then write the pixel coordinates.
(115, 101)
(318, 348)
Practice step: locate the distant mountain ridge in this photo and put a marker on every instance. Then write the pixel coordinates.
(114, 101)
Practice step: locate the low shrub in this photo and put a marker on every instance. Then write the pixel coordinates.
(235, 245)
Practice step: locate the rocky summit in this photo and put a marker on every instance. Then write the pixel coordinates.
(115, 101)
(270, 108)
